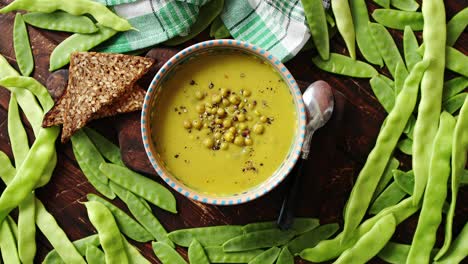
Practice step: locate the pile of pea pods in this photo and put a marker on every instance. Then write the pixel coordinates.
(434, 135)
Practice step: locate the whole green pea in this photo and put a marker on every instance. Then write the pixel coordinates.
(263, 119)
(227, 123)
(228, 136)
(225, 92)
(241, 117)
(247, 93)
(221, 112)
(197, 124)
(258, 129)
(239, 141)
(224, 146)
(199, 95)
(216, 98)
(208, 142)
(200, 108)
(234, 99)
(187, 124)
(217, 135)
(248, 141)
(226, 102)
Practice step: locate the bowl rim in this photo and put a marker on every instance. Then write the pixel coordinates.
(283, 169)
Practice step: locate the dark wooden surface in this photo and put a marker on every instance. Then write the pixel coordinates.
(338, 150)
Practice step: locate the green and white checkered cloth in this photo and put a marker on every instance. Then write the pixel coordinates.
(278, 26)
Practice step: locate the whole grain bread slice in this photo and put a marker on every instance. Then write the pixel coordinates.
(96, 81)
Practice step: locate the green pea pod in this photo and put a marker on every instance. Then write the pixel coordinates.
(16, 132)
(456, 61)
(370, 243)
(311, 238)
(108, 231)
(410, 47)
(78, 42)
(27, 230)
(146, 218)
(383, 3)
(456, 26)
(267, 257)
(122, 194)
(258, 239)
(152, 191)
(196, 253)
(8, 244)
(7, 171)
(285, 257)
(99, 12)
(300, 225)
(55, 235)
(126, 224)
(394, 253)
(378, 158)
(400, 75)
(431, 212)
(218, 255)
(61, 21)
(460, 147)
(207, 14)
(33, 86)
(409, 129)
(24, 56)
(80, 245)
(405, 5)
(454, 87)
(134, 256)
(94, 255)
(343, 65)
(384, 93)
(317, 21)
(405, 180)
(344, 23)
(166, 254)
(107, 149)
(218, 30)
(386, 46)
(392, 164)
(390, 196)
(13, 227)
(397, 19)
(207, 236)
(454, 103)
(458, 251)
(364, 39)
(406, 146)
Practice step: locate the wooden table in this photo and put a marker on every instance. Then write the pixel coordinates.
(338, 151)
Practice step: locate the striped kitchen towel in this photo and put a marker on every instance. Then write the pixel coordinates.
(275, 25)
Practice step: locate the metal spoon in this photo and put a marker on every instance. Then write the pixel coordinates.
(319, 103)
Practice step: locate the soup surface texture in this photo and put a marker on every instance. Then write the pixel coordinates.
(223, 122)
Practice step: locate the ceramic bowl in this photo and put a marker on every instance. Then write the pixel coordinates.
(152, 95)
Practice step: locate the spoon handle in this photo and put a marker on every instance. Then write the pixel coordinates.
(286, 215)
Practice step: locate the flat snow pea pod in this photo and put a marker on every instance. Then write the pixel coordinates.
(406, 5)
(8, 244)
(344, 23)
(285, 257)
(61, 21)
(456, 26)
(434, 197)
(383, 3)
(134, 256)
(27, 230)
(384, 93)
(459, 249)
(146, 218)
(409, 128)
(122, 194)
(126, 224)
(55, 235)
(454, 103)
(386, 46)
(370, 243)
(406, 146)
(80, 245)
(23, 52)
(394, 253)
(166, 254)
(364, 39)
(410, 48)
(259, 239)
(434, 33)
(344, 65)
(218, 255)
(33, 86)
(300, 225)
(378, 158)
(94, 255)
(460, 147)
(78, 7)
(311, 238)
(108, 231)
(13, 226)
(207, 236)
(390, 196)
(317, 21)
(7, 171)
(109, 150)
(405, 180)
(397, 19)
(218, 30)
(456, 61)
(454, 87)
(400, 75)
(17, 133)
(386, 177)
(196, 253)
(78, 42)
(152, 191)
(207, 14)
(267, 257)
